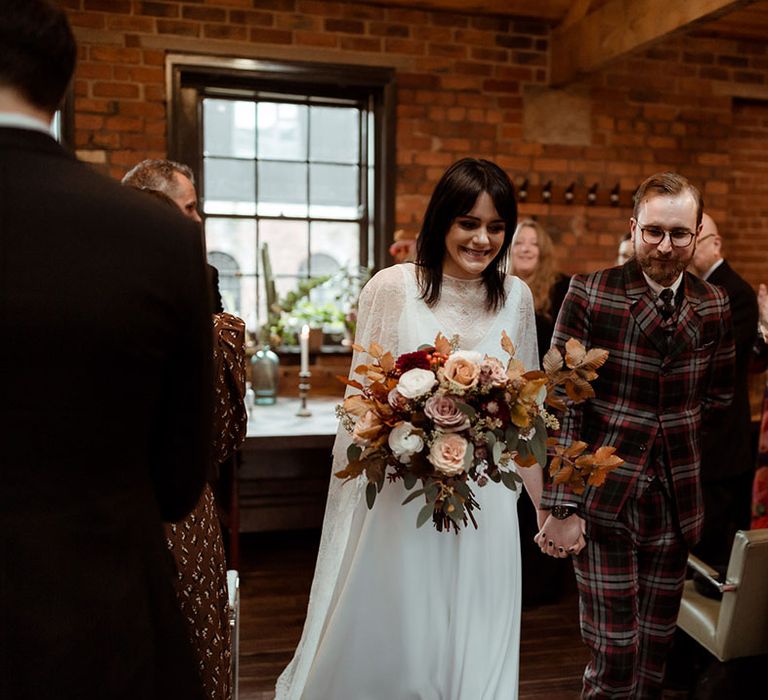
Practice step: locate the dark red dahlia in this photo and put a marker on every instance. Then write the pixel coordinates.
(412, 360)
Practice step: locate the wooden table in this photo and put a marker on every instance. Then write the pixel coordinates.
(279, 478)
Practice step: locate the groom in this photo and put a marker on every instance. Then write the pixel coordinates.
(670, 366)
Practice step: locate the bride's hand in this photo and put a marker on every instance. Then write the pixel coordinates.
(561, 538)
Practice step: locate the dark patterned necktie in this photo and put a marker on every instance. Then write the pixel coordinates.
(666, 304)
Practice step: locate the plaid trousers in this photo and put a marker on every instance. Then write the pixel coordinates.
(630, 585)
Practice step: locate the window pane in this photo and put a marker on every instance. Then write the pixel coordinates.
(229, 128)
(282, 131)
(340, 241)
(288, 244)
(231, 246)
(282, 189)
(236, 238)
(333, 191)
(230, 186)
(334, 134)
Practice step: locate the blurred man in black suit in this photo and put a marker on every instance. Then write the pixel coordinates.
(727, 456)
(105, 369)
(177, 182)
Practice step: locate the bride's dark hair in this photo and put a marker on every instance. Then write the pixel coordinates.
(454, 196)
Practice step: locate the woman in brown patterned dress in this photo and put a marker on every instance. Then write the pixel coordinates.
(195, 541)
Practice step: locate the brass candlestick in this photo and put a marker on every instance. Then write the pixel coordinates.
(304, 385)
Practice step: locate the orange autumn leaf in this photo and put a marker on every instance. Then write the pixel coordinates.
(442, 344)
(553, 361)
(387, 362)
(506, 344)
(350, 382)
(357, 405)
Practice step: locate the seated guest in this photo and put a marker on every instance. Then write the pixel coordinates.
(532, 258)
(106, 401)
(195, 541)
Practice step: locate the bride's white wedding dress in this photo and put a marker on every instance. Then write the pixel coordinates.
(400, 613)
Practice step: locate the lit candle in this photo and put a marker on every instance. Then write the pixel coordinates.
(304, 342)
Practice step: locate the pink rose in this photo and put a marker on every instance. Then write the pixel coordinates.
(492, 372)
(447, 453)
(462, 370)
(445, 413)
(367, 428)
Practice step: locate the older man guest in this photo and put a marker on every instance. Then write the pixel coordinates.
(176, 181)
(727, 455)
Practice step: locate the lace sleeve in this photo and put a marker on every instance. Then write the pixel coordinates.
(526, 342)
(380, 306)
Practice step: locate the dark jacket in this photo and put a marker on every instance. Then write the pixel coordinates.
(105, 374)
(726, 449)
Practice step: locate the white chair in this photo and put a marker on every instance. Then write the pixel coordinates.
(737, 625)
(233, 589)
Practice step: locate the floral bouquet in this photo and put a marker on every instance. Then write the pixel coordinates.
(446, 419)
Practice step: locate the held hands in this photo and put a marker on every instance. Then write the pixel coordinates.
(560, 538)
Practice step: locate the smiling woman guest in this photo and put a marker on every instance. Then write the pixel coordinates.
(398, 612)
(533, 261)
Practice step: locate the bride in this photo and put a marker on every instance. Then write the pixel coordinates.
(395, 612)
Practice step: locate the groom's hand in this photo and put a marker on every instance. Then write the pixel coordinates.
(561, 538)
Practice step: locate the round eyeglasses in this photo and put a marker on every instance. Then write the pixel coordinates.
(678, 237)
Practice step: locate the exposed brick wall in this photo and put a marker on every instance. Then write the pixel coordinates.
(460, 82)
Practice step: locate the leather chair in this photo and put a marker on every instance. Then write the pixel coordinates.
(737, 625)
(233, 589)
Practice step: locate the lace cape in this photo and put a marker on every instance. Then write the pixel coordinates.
(388, 301)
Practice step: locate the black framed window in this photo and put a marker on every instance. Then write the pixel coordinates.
(297, 156)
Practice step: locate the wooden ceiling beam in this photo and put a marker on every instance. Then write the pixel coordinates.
(547, 10)
(621, 26)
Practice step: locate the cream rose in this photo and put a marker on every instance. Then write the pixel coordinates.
(416, 382)
(404, 442)
(366, 429)
(447, 453)
(462, 369)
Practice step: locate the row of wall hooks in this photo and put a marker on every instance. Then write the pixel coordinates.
(593, 195)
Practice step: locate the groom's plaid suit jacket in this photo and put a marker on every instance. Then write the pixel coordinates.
(651, 385)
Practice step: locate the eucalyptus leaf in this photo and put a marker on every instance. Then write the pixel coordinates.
(508, 479)
(462, 489)
(411, 496)
(498, 448)
(409, 480)
(469, 456)
(425, 514)
(511, 438)
(466, 409)
(354, 452)
(539, 442)
(490, 439)
(370, 494)
(431, 489)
